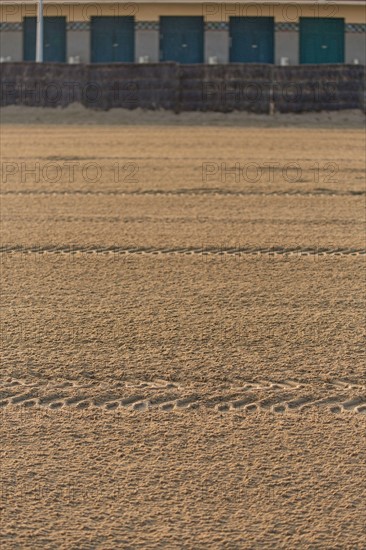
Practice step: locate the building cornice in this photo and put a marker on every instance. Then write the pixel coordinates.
(220, 2)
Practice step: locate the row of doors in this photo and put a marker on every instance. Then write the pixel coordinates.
(182, 39)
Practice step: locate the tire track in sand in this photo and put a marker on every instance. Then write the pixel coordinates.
(183, 193)
(286, 396)
(186, 251)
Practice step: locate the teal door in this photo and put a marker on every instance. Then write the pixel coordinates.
(251, 39)
(112, 39)
(54, 39)
(181, 39)
(321, 40)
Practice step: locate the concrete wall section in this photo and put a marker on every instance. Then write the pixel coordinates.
(147, 44)
(78, 45)
(217, 45)
(11, 45)
(355, 45)
(287, 45)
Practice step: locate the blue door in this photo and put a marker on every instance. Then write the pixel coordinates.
(251, 39)
(54, 39)
(321, 40)
(113, 39)
(181, 39)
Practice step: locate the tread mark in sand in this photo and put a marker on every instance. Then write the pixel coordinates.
(46, 400)
(23, 397)
(338, 396)
(187, 192)
(76, 399)
(79, 249)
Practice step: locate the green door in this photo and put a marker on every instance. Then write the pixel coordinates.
(54, 39)
(29, 38)
(251, 39)
(181, 39)
(321, 40)
(113, 39)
